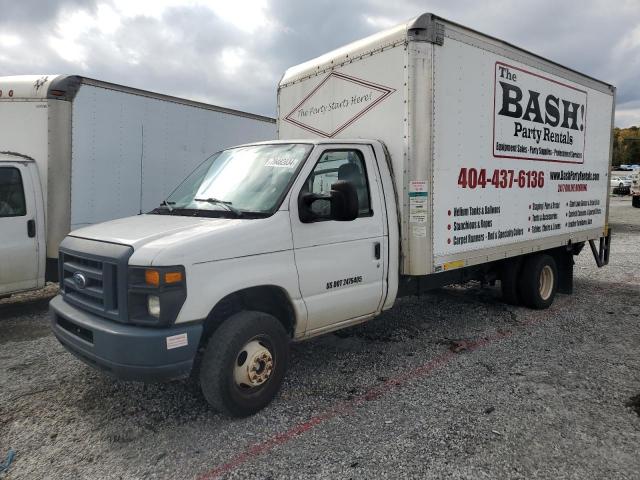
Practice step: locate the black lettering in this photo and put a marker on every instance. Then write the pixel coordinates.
(533, 107)
(511, 96)
(570, 112)
(518, 128)
(552, 109)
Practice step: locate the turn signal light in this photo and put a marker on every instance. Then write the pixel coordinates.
(172, 277)
(152, 277)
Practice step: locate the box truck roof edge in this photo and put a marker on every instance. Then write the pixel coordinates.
(65, 87)
(425, 27)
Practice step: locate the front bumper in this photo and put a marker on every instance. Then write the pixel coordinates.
(125, 351)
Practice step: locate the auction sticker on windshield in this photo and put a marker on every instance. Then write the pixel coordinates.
(282, 162)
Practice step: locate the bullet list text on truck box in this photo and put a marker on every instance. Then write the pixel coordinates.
(425, 155)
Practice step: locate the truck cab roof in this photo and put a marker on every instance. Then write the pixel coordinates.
(15, 157)
(314, 141)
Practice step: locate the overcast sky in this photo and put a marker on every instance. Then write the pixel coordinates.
(232, 53)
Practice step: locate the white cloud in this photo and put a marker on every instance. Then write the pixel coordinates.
(233, 52)
(380, 22)
(627, 117)
(232, 59)
(9, 40)
(245, 15)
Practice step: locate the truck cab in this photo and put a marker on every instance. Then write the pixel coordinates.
(273, 241)
(22, 224)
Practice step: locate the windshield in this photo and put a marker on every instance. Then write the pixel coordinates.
(239, 181)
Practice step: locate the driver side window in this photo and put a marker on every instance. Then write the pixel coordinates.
(12, 202)
(336, 165)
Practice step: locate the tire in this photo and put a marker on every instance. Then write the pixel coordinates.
(538, 281)
(635, 201)
(509, 273)
(244, 337)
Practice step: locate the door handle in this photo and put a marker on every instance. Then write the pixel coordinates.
(31, 228)
(376, 250)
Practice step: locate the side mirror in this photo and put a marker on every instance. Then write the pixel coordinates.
(344, 201)
(341, 204)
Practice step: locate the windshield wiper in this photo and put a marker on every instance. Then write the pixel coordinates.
(164, 203)
(226, 205)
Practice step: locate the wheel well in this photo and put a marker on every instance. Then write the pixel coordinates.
(266, 298)
(563, 257)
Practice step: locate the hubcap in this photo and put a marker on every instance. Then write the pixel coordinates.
(254, 365)
(546, 282)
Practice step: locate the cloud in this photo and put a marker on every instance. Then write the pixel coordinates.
(234, 53)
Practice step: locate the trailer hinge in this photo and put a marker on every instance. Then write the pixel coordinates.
(601, 254)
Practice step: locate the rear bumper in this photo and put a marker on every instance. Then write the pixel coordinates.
(125, 351)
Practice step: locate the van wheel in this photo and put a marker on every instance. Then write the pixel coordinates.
(244, 363)
(635, 201)
(509, 280)
(538, 281)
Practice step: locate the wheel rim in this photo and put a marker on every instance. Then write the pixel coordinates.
(254, 365)
(546, 282)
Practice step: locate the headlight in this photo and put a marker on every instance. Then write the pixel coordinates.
(153, 305)
(156, 294)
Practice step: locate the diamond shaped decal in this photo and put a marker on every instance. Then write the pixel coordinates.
(337, 102)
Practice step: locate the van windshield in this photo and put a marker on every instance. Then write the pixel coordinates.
(238, 182)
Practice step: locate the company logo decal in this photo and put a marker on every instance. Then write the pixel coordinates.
(79, 280)
(337, 102)
(537, 118)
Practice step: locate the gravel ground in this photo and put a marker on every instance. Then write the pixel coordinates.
(529, 394)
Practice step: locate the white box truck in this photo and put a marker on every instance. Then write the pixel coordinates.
(426, 155)
(76, 151)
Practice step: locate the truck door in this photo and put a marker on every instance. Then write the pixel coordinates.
(19, 256)
(340, 266)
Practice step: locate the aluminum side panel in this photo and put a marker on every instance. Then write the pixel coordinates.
(363, 98)
(130, 151)
(471, 223)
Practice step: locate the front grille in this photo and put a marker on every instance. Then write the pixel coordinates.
(99, 291)
(93, 276)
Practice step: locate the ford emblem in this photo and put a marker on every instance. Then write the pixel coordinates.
(80, 280)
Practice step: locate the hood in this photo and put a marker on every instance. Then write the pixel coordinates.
(173, 239)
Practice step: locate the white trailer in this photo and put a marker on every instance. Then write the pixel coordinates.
(438, 155)
(78, 151)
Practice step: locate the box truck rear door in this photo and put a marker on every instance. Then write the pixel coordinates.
(340, 269)
(18, 236)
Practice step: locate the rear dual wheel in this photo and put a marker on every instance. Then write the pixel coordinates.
(532, 281)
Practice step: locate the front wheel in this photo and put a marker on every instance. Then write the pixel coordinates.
(635, 201)
(538, 281)
(244, 363)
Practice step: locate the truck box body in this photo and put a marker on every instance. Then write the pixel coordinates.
(107, 151)
(496, 152)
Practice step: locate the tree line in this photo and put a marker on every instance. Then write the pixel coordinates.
(626, 146)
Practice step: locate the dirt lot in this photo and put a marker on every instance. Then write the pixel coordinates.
(529, 394)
